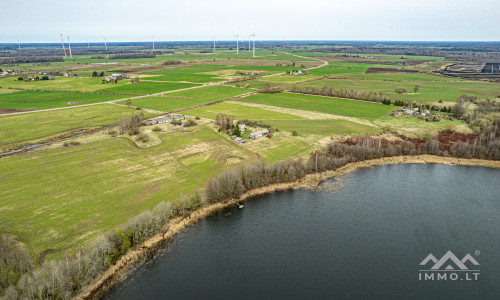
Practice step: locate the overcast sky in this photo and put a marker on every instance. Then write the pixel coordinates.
(167, 20)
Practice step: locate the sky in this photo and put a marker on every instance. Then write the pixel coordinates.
(188, 20)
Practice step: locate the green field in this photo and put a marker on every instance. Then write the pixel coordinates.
(57, 84)
(42, 100)
(189, 98)
(323, 127)
(70, 195)
(19, 128)
(146, 87)
(335, 106)
(432, 87)
(239, 112)
(208, 73)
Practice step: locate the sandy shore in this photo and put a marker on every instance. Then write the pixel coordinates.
(115, 272)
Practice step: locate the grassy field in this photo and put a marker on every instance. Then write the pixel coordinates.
(189, 98)
(341, 107)
(57, 84)
(432, 87)
(145, 87)
(42, 100)
(323, 127)
(275, 81)
(239, 112)
(208, 73)
(70, 195)
(19, 128)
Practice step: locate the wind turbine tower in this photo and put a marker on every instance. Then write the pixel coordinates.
(249, 37)
(69, 46)
(88, 44)
(153, 43)
(253, 35)
(19, 43)
(105, 44)
(214, 42)
(64, 48)
(237, 45)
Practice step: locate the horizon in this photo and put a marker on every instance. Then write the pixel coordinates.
(357, 20)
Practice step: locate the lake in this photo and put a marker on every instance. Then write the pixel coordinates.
(360, 236)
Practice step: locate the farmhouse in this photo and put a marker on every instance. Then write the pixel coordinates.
(256, 134)
(165, 120)
(295, 72)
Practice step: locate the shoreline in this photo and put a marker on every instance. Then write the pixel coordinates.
(175, 226)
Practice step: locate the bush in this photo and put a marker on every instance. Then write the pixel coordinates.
(295, 133)
(142, 138)
(69, 144)
(197, 118)
(112, 132)
(176, 122)
(156, 128)
(190, 123)
(400, 90)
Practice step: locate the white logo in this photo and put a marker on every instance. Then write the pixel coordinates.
(449, 267)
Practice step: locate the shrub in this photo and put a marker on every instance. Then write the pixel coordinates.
(156, 128)
(142, 138)
(176, 122)
(112, 132)
(400, 90)
(295, 133)
(190, 123)
(197, 118)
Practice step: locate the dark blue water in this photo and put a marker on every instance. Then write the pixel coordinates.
(362, 236)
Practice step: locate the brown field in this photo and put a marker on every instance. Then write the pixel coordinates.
(388, 70)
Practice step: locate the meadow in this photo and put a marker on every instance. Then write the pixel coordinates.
(146, 87)
(239, 112)
(324, 127)
(335, 106)
(189, 98)
(432, 88)
(19, 128)
(70, 195)
(28, 100)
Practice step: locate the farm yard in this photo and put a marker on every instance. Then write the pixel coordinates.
(70, 191)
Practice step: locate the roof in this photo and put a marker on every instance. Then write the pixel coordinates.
(258, 133)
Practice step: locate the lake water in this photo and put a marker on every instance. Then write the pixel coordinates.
(361, 236)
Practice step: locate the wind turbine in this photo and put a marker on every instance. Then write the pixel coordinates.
(214, 42)
(249, 37)
(64, 48)
(69, 46)
(253, 35)
(237, 46)
(105, 44)
(19, 43)
(153, 42)
(88, 44)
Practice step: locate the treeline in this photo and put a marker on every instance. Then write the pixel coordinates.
(30, 59)
(131, 124)
(63, 279)
(14, 261)
(235, 182)
(266, 88)
(371, 96)
(126, 55)
(172, 62)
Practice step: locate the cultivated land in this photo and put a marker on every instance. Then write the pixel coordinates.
(62, 197)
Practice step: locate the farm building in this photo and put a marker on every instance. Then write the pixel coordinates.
(165, 120)
(242, 127)
(256, 134)
(117, 75)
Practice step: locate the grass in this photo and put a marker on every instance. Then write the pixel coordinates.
(207, 73)
(342, 107)
(42, 100)
(432, 87)
(239, 112)
(145, 87)
(57, 84)
(189, 98)
(67, 196)
(25, 127)
(323, 127)
(275, 81)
